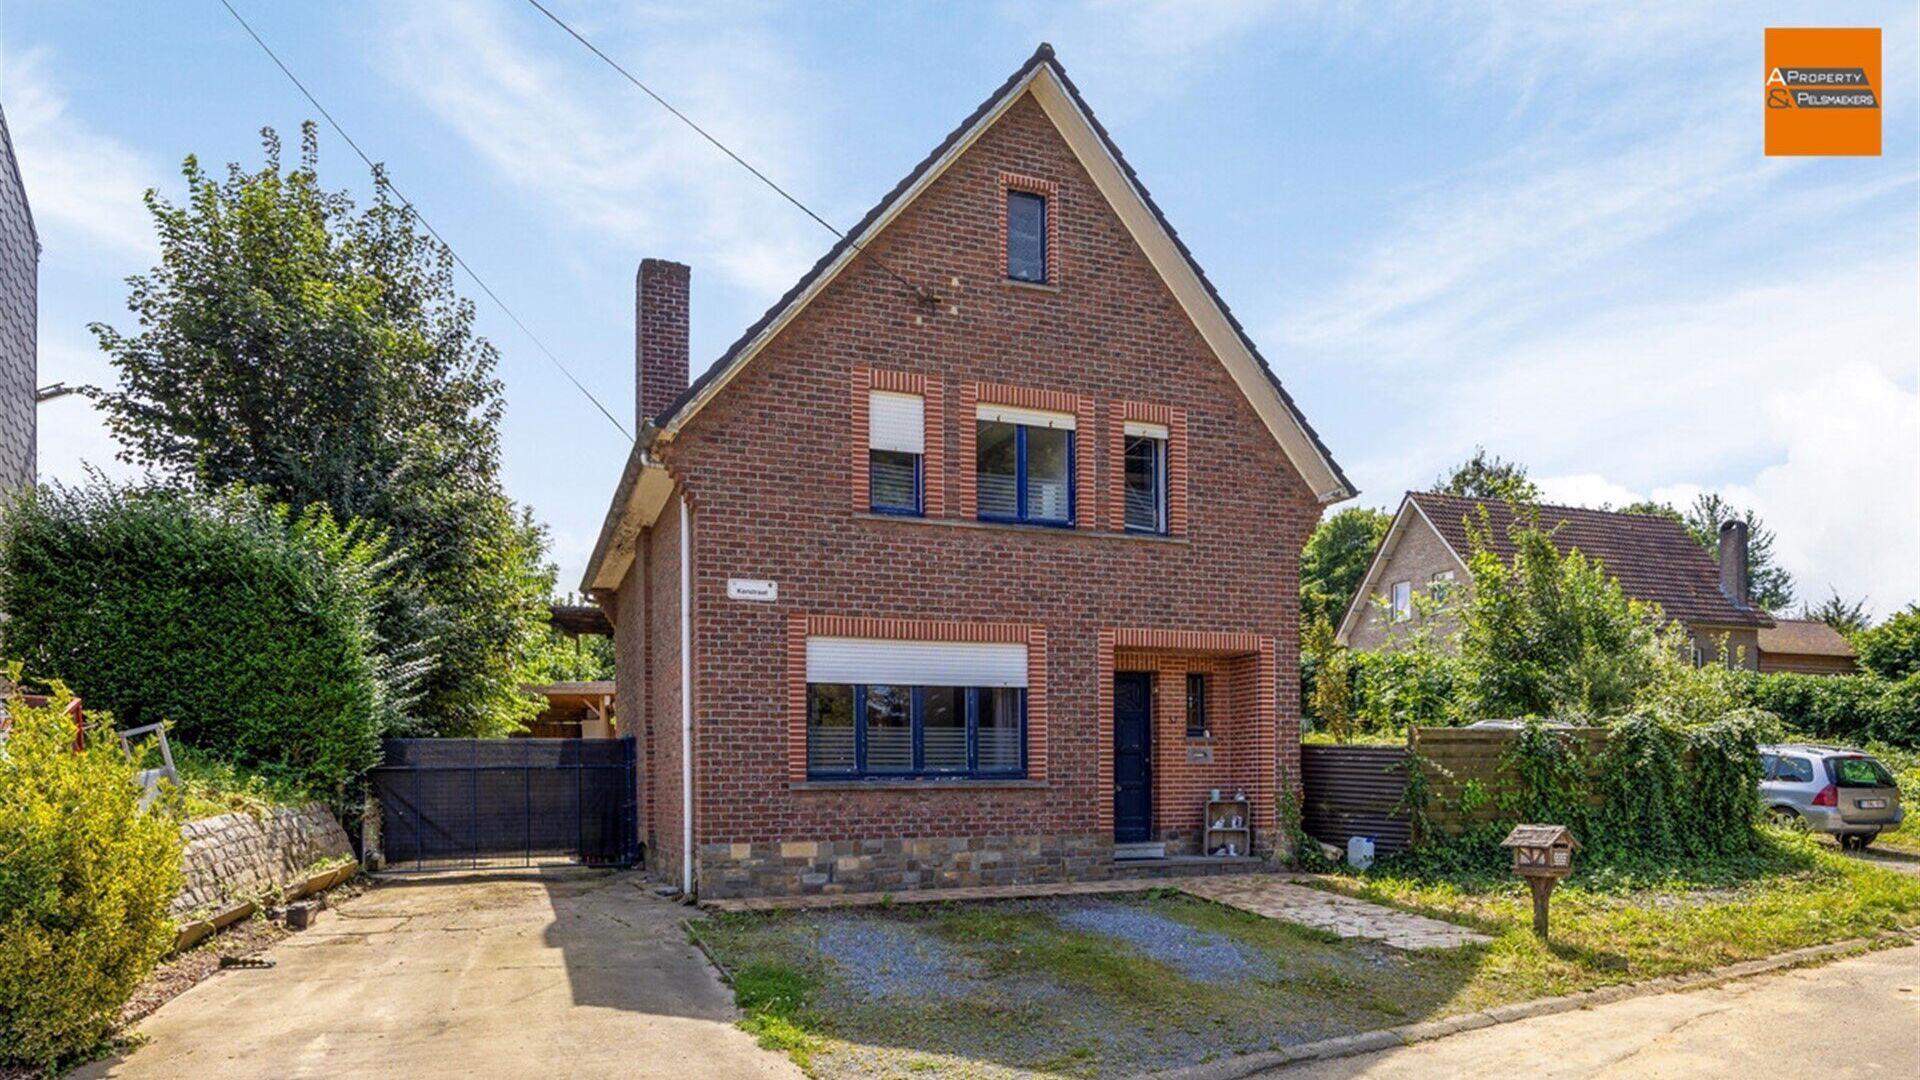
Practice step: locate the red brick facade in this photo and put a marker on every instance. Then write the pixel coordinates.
(768, 465)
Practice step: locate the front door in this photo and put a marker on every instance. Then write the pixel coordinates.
(1132, 757)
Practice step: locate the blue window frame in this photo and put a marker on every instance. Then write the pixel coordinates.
(1024, 474)
(895, 483)
(863, 730)
(1145, 483)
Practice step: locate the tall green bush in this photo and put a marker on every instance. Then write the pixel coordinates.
(86, 880)
(248, 630)
(1892, 649)
(1844, 708)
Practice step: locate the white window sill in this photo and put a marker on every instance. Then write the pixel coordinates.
(930, 784)
(1061, 531)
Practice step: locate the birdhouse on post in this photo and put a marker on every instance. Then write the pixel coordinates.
(1542, 854)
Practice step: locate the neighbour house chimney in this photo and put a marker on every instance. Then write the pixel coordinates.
(1733, 563)
(659, 337)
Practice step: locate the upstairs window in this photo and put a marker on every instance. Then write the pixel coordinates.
(1024, 465)
(1440, 585)
(896, 448)
(1400, 602)
(1027, 236)
(1196, 705)
(1145, 480)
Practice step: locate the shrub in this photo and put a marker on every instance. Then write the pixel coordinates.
(1844, 708)
(85, 886)
(1892, 649)
(246, 629)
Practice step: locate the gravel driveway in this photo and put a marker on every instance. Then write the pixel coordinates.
(560, 973)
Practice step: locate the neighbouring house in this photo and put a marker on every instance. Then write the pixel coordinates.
(1807, 646)
(1655, 559)
(19, 318)
(975, 559)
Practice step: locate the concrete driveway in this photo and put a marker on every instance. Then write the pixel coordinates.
(556, 973)
(1858, 1017)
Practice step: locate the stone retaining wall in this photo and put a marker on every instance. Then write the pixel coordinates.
(240, 857)
(830, 867)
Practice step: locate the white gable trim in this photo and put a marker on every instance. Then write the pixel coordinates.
(1357, 605)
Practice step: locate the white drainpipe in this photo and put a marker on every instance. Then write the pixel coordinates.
(686, 700)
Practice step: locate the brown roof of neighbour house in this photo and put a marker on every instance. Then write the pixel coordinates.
(1654, 558)
(1804, 637)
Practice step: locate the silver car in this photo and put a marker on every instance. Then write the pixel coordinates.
(1843, 793)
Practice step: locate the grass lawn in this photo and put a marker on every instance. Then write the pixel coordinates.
(1115, 985)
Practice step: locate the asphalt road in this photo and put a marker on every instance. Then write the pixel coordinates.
(1858, 1017)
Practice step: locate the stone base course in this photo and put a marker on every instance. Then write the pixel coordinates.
(241, 857)
(806, 868)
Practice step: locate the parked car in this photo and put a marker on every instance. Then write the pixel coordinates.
(1843, 793)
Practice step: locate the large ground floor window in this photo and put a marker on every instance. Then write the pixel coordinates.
(857, 730)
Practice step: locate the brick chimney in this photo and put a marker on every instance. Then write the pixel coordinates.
(1733, 563)
(659, 337)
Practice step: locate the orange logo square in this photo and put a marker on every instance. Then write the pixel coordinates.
(1823, 91)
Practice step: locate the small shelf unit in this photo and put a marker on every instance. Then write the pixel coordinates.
(1220, 836)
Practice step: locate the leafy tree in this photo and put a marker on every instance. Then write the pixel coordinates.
(1336, 558)
(1892, 649)
(291, 341)
(1488, 476)
(1330, 699)
(1549, 634)
(1769, 585)
(566, 658)
(1847, 616)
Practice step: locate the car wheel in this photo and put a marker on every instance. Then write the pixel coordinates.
(1861, 840)
(1785, 817)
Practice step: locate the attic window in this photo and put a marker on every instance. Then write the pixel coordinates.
(1027, 236)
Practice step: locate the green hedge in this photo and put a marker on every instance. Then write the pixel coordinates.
(247, 630)
(1843, 708)
(85, 884)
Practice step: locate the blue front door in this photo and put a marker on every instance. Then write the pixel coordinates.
(1132, 757)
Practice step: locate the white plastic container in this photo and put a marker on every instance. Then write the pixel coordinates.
(1359, 852)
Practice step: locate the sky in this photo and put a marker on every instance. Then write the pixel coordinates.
(1545, 229)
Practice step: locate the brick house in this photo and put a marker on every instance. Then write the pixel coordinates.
(19, 287)
(1654, 559)
(975, 559)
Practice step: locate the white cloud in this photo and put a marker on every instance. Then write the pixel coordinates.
(598, 153)
(82, 185)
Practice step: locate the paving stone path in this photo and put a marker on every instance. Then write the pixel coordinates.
(1271, 895)
(1277, 898)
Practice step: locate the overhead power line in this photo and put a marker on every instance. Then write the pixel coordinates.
(918, 292)
(417, 216)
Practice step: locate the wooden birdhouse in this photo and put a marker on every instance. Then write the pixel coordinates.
(1542, 854)
(1542, 850)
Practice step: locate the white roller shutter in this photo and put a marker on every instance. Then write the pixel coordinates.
(896, 422)
(914, 663)
(1141, 429)
(1009, 414)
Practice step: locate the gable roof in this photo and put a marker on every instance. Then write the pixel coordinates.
(1804, 637)
(1653, 558)
(1044, 78)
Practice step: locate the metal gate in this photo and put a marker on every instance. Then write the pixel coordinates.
(470, 803)
(1355, 791)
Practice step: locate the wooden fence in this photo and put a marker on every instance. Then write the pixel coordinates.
(1357, 790)
(1458, 757)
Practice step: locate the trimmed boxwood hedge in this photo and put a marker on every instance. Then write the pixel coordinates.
(246, 629)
